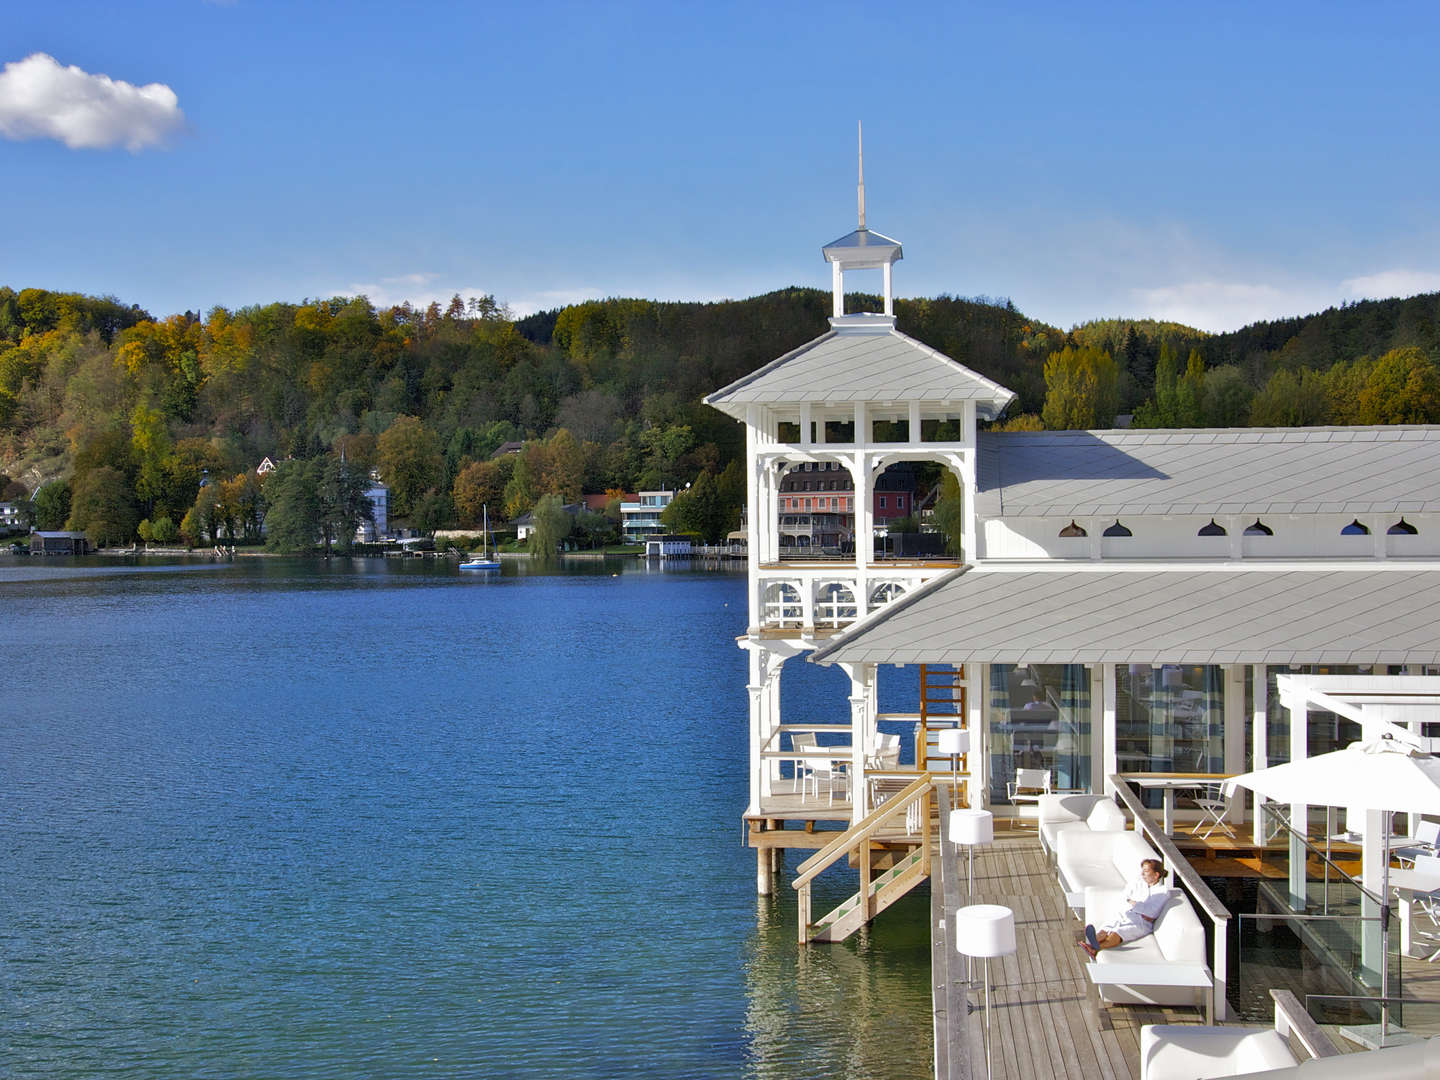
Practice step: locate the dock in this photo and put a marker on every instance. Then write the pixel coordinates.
(1046, 1018)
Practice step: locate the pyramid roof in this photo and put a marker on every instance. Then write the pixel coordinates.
(863, 358)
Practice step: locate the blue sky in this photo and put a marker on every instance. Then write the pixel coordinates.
(1211, 163)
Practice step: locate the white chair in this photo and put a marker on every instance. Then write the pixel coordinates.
(1428, 905)
(887, 752)
(1426, 841)
(1213, 806)
(803, 743)
(1025, 791)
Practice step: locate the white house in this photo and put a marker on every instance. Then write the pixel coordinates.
(1140, 591)
(640, 520)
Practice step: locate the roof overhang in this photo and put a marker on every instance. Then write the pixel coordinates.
(1173, 613)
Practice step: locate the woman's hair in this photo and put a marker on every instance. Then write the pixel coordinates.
(1154, 864)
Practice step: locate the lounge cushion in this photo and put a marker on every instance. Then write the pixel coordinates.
(1188, 1052)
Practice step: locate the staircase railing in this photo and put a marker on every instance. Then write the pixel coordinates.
(858, 839)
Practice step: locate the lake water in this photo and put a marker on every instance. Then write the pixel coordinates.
(286, 818)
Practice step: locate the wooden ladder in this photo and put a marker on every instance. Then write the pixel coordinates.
(943, 698)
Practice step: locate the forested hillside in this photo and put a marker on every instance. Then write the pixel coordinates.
(127, 413)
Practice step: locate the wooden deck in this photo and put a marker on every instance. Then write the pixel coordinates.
(1045, 1017)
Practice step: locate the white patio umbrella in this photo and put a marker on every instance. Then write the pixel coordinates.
(1383, 774)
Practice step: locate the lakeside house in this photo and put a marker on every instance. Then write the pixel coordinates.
(379, 526)
(640, 515)
(1124, 602)
(817, 504)
(13, 515)
(59, 542)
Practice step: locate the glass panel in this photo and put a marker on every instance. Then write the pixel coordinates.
(1039, 719)
(1170, 718)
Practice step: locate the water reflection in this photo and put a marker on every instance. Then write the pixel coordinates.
(863, 1006)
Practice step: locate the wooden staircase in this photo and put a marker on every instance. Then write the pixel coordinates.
(883, 827)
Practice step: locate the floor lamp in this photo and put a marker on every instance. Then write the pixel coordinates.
(971, 827)
(985, 930)
(953, 742)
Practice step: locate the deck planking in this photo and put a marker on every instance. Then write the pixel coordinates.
(1046, 1018)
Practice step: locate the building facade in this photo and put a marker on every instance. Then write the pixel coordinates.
(1124, 601)
(640, 518)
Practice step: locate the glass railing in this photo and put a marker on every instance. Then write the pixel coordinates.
(1319, 934)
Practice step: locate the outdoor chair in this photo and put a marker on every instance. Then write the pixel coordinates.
(1025, 790)
(1213, 805)
(1429, 906)
(831, 772)
(1426, 841)
(802, 743)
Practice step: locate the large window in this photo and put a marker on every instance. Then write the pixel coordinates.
(1169, 718)
(1326, 731)
(1039, 719)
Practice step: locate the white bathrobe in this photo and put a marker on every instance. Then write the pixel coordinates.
(1142, 905)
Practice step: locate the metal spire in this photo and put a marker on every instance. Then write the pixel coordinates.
(860, 138)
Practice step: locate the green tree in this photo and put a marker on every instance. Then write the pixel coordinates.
(293, 521)
(52, 505)
(552, 525)
(411, 462)
(163, 530)
(949, 513)
(1295, 398)
(1162, 410)
(1190, 393)
(343, 504)
(103, 507)
(1082, 390)
(519, 489)
(1227, 397)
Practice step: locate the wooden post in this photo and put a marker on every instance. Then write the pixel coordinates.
(867, 904)
(803, 898)
(764, 872)
(925, 834)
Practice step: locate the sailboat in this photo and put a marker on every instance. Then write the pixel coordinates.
(485, 561)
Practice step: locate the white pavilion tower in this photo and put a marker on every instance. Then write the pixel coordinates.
(861, 397)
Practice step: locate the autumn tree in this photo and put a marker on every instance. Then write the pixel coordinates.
(410, 462)
(1403, 387)
(481, 484)
(1082, 390)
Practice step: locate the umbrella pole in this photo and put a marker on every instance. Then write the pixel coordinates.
(1385, 932)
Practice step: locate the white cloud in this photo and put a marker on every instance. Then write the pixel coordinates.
(422, 289)
(1218, 306)
(1228, 305)
(39, 99)
(1390, 283)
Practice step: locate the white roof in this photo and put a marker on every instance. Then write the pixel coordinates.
(1343, 470)
(1212, 613)
(862, 358)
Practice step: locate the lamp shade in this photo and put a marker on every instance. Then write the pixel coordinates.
(972, 827)
(952, 741)
(985, 930)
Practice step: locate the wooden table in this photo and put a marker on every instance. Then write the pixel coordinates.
(1172, 782)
